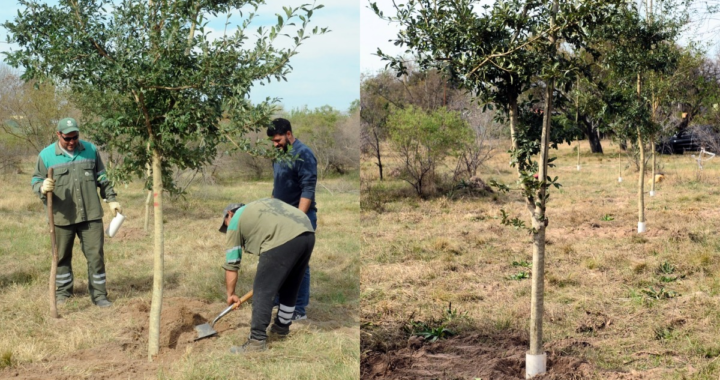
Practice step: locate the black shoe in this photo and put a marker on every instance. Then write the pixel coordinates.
(103, 303)
(279, 331)
(251, 345)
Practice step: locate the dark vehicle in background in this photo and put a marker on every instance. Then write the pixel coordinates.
(690, 139)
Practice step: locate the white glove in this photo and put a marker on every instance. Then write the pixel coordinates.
(48, 186)
(115, 208)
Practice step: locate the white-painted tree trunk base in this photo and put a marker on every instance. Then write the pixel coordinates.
(641, 227)
(619, 179)
(578, 167)
(535, 365)
(652, 193)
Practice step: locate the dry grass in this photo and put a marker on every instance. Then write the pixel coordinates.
(421, 255)
(88, 342)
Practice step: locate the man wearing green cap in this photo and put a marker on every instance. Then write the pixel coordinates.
(77, 173)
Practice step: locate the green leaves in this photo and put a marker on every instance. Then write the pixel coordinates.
(519, 276)
(150, 77)
(424, 139)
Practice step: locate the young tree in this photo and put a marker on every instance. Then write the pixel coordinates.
(427, 90)
(498, 53)
(148, 72)
(642, 49)
(424, 139)
(377, 93)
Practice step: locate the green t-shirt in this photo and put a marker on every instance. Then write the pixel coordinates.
(260, 226)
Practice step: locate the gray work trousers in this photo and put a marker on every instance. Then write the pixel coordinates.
(91, 241)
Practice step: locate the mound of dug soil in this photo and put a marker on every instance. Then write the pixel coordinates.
(478, 356)
(178, 319)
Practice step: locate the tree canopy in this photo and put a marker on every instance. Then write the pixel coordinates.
(150, 72)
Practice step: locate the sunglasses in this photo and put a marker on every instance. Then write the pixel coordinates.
(70, 138)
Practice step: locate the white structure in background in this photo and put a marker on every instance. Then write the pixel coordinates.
(702, 157)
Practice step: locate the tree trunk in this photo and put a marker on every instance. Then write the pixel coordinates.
(538, 223)
(641, 181)
(148, 201)
(577, 116)
(513, 124)
(652, 186)
(578, 154)
(641, 177)
(156, 307)
(595, 144)
(377, 154)
(593, 135)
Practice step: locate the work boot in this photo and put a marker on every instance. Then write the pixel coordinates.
(252, 345)
(103, 302)
(61, 299)
(278, 331)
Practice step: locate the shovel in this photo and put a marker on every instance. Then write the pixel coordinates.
(206, 329)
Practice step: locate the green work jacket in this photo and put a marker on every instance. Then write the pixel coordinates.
(75, 198)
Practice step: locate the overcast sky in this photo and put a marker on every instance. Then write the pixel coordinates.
(375, 32)
(326, 70)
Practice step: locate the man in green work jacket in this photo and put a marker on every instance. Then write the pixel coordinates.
(78, 172)
(283, 238)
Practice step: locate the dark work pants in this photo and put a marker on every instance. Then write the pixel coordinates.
(280, 271)
(91, 241)
(303, 298)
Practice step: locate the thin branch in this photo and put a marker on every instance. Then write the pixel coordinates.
(498, 55)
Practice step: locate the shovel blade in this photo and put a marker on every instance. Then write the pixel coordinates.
(204, 331)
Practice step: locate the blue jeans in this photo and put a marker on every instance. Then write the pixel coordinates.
(303, 297)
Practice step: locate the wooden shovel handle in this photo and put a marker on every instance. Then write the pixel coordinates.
(53, 267)
(243, 299)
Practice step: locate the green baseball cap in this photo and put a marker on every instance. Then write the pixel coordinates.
(67, 125)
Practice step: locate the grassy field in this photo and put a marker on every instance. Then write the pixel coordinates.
(89, 342)
(617, 304)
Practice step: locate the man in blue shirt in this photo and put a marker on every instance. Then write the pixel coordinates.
(294, 183)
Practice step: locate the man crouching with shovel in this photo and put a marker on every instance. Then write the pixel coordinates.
(283, 238)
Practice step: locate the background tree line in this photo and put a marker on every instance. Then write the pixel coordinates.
(29, 112)
(430, 121)
(586, 109)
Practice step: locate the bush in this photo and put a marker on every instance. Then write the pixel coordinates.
(425, 139)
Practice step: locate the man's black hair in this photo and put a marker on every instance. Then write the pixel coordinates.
(279, 126)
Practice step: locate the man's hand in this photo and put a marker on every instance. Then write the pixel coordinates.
(115, 208)
(233, 299)
(48, 186)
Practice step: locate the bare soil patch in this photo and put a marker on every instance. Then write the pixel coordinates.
(481, 356)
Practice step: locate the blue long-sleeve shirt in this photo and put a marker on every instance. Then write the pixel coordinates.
(297, 179)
